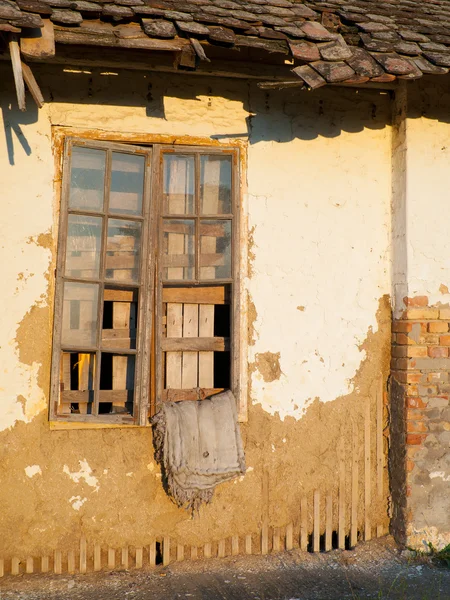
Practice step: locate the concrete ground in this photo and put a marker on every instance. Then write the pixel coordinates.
(374, 569)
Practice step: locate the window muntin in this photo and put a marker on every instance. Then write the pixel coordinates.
(112, 239)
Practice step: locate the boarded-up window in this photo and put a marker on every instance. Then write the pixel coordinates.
(147, 280)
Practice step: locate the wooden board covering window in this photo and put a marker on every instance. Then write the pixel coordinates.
(136, 298)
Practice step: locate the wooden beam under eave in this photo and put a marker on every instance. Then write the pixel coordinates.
(41, 44)
(32, 85)
(14, 52)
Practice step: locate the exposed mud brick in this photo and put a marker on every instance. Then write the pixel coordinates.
(304, 51)
(309, 76)
(333, 72)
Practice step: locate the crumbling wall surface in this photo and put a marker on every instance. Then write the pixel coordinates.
(317, 193)
(421, 335)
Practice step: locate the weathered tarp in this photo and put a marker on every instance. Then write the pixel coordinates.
(198, 445)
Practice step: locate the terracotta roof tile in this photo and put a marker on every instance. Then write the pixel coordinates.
(328, 41)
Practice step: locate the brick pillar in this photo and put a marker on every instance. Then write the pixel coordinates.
(420, 434)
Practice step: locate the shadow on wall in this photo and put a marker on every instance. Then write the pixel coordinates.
(13, 120)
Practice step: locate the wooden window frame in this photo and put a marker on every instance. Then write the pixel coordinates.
(148, 350)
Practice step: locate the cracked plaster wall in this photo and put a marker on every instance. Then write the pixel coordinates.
(318, 195)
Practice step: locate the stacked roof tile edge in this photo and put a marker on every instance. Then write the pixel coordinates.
(329, 41)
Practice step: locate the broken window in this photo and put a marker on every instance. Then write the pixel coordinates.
(147, 280)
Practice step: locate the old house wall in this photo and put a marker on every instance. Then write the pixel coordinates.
(317, 196)
(421, 340)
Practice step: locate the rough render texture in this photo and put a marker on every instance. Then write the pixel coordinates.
(318, 194)
(420, 409)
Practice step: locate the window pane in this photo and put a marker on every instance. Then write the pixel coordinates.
(116, 384)
(84, 235)
(178, 184)
(215, 185)
(179, 249)
(87, 178)
(215, 249)
(77, 382)
(79, 323)
(123, 250)
(127, 183)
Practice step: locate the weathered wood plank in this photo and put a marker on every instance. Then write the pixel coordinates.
(16, 63)
(173, 395)
(139, 558)
(234, 545)
(304, 524)
(32, 85)
(166, 550)
(248, 544)
(97, 557)
(180, 552)
(111, 558)
(206, 345)
(83, 555)
(29, 566)
(71, 562)
(189, 371)
(45, 564)
(355, 484)
(57, 562)
(41, 44)
(152, 553)
(367, 474)
(290, 536)
(341, 505)
(15, 566)
(316, 526)
(173, 359)
(206, 358)
(197, 295)
(329, 523)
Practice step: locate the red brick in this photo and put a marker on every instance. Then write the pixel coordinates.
(422, 314)
(437, 352)
(410, 465)
(416, 427)
(429, 338)
(444, 313)
(438, 327)
(416, 402)
(415, 439)
(416, 301)
(403, 339)
(412, 390)
(444, 340)
(416, 351)
(400, 351)
(414, 414)
(401, 326)
(413, 377)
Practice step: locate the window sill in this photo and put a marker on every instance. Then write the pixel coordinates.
(61, 425)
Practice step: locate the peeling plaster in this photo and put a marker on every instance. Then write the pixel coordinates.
(85, 473)
(77, 502)
(33, 470)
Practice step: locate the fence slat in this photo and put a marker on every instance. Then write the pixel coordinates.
(355, 493)
(111, 558)
(367, 474)
(45, 564)
(139, 558)
(289, 536)
(57, 563)
(29, 565)
(328, 523)
(235, 545)
(316, 526)
(166, 550)
(97, 557)
(304, 524)
(248, 544)
(83, 555)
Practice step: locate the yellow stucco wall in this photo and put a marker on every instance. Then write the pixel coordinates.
(317, 197)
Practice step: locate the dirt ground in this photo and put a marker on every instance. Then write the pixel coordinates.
(375, 569)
